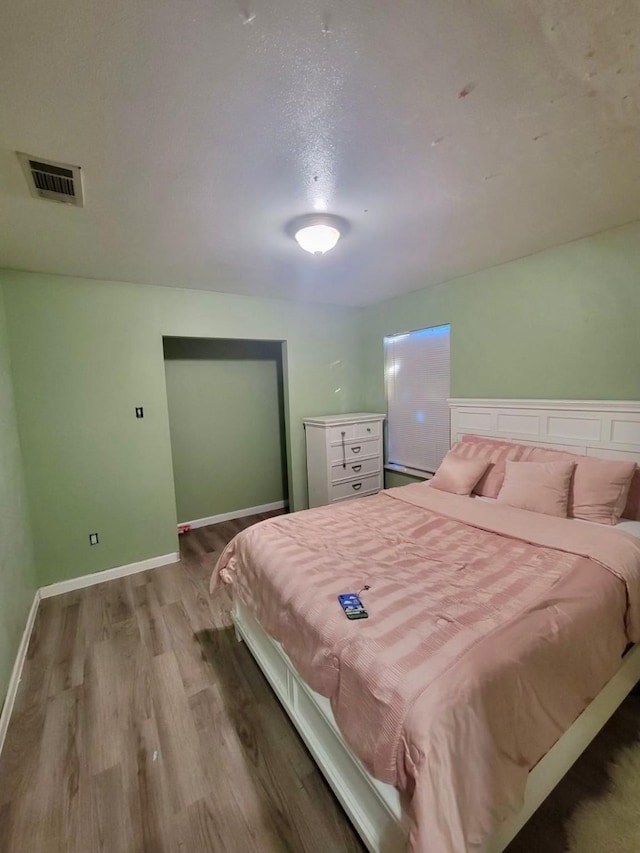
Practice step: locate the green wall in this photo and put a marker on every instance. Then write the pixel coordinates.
(227, 442)
(86, 353)
(17, 584)
(564, 323)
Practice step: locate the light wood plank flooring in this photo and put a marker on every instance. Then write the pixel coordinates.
(142, 725)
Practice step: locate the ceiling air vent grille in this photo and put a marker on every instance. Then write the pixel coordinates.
(51, 180)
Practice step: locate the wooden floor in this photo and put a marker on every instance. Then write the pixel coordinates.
(142, 725)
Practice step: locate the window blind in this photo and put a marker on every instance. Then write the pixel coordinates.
(417, 385)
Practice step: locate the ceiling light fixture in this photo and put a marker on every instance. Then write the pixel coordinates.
(317, 239)
(317, 233)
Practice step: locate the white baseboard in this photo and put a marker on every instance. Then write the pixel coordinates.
(237, 513)
(58, 589)
(108, 575)
(16, 673)
(90, 580)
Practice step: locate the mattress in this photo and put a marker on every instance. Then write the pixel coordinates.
(490, 630)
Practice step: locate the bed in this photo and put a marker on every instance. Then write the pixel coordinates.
(461, 752)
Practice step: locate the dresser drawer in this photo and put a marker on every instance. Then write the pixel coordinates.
(354, 488)
(355, 469)
(367, 429)
(354, 450)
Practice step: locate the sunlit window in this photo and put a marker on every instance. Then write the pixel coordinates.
(417, 384)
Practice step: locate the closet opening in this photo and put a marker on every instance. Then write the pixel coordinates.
(226, 401)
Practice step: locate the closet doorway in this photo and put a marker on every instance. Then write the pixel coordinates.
(227, 424)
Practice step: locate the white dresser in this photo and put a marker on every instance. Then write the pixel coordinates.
(344, 456)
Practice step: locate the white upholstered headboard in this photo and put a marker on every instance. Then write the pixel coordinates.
(605, 428)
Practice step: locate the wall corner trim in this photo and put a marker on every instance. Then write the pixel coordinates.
(236, 513)
(108, 575)
(16, 672)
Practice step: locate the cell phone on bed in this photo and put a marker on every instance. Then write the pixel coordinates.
(352, 606)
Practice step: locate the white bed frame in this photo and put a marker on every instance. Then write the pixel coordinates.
(598, 428)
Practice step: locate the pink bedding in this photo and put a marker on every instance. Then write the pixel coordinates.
(490, 630)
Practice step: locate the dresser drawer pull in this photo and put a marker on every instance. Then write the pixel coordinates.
(356, 486)
(356, 449)
(356, 468)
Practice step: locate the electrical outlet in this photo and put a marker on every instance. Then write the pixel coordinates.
(93, 539)
(139, 412)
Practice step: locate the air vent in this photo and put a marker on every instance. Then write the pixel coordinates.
(55, 181)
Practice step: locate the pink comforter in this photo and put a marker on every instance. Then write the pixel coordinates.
(490, 630)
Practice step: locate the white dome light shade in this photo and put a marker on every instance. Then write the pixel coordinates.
(317, 239)
(317, 233)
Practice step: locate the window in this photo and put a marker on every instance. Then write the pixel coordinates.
(417, 384)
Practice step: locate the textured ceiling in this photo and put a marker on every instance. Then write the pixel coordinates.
(452, 135)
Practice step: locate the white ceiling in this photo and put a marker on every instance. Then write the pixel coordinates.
(453, 135)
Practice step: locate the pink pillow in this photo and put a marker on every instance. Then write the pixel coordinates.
(547, 454)
(632, 509)
(493, 451)
(600, 487)
(458, 475)
(602, 490)
(538, 486)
